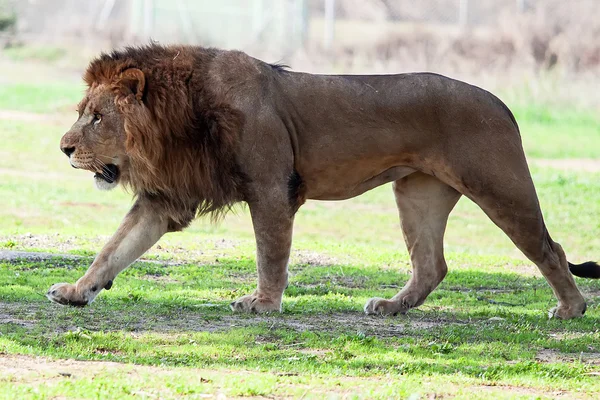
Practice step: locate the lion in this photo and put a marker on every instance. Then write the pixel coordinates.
(192, 131)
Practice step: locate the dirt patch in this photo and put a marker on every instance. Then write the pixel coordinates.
(60, 243)
(169, 255)
(38, 371)
(35, 371)
(376, 326)
(587, 165)
(495, 390)
(336, 280)
(63, 244)
(159, 278)
(568, 335)
(25, 366)
(590, 293)
(194, 320)
(304, 257)
(555, 356)
(12, 256)
(6, 318)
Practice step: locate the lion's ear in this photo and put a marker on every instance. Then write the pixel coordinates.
(132, 81)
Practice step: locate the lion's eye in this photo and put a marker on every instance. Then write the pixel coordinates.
(97, 118)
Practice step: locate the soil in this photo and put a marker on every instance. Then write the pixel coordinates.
(64, 244)
(40, 370)
(27, 316)
(43, 371)
(555, 356)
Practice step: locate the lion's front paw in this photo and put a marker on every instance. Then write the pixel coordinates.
(562, 312)
(255, 303)
(379, 306)
(66, 294)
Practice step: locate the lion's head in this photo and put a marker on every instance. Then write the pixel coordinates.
(97, 141)
(151, 120)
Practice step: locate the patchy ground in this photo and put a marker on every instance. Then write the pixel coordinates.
(165, 330)
(29, 316)
(553, 356)
(38, 371)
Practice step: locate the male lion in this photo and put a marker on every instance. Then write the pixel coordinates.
(193, 130)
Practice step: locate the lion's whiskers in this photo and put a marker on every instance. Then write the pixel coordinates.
(99, 164)
(106, 157)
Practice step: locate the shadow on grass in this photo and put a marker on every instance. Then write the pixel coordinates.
(156, 297)
(479, 324)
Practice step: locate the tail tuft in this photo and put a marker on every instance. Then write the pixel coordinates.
(588, 269)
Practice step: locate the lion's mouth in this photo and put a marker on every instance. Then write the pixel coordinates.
(109, 173)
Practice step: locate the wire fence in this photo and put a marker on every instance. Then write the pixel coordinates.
(466, 35)
(282, 25)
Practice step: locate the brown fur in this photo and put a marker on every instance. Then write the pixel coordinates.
(192, 131)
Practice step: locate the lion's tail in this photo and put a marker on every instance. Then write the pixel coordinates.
(588, 269)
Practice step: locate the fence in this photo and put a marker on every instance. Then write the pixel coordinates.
(278, 25)
(356, 35)
(281, 25)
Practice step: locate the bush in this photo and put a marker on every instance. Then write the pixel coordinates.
(8, 18)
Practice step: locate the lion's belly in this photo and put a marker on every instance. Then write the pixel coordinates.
(360, 163)
(338, 184)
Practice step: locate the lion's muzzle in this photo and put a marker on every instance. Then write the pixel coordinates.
(67, 150)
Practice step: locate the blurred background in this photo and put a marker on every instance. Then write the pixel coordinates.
(490, 42)
(541, 57)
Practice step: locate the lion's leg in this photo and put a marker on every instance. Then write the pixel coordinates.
(273, 223)
(424, 204)
(517, 212)
(140, 229)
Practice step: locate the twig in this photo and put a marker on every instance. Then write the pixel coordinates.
(500, 303)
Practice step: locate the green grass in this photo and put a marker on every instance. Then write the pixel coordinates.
(552, 132)
(178, 316)
(47, 54)
(483, 333)
(48, 197)
(46, 98)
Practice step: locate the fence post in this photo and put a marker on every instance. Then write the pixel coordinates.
(463, 12)
(186, 22)
(329, 30)
(148, 19)
(107, 8)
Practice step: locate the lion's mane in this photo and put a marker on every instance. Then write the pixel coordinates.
(182, 141)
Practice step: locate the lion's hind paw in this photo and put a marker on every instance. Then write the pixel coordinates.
(560, 312)
(379, 306)
(255, 303)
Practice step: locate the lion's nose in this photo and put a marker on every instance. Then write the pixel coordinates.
(68, 150)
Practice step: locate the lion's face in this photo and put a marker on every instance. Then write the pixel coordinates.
(96, 142)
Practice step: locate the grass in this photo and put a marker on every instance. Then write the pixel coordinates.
(165, 329)
(47, 54)
(47, 98)
(58, 199)
(178, 316)
(553, 132)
